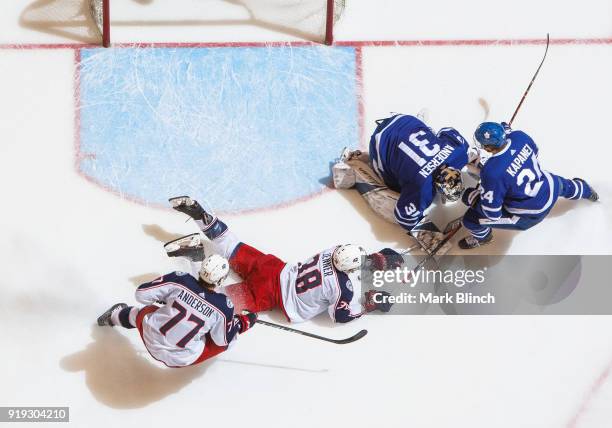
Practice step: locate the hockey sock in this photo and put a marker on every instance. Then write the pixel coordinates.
(573, 189)
(212, 230)
(479, 233)
(126, 317)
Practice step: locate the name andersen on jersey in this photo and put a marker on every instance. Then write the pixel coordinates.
(436, 161)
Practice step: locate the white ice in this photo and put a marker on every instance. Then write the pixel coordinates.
(70, 249)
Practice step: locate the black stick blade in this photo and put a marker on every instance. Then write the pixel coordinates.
(352, 339)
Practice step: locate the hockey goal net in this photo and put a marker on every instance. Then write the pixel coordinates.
(307, 19)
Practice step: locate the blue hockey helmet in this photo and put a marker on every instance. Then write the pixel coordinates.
(490, 134)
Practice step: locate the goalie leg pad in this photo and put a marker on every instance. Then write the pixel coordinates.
(343, 175)
(381, 199)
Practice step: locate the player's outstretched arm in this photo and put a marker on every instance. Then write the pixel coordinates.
(224, 333)
(157, 290)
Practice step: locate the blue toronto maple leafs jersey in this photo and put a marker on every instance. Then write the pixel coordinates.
(514, 180)
(405, 152)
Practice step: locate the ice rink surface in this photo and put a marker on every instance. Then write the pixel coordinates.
(94, 140)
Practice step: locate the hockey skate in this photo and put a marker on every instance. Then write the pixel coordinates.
(593, 197)
(191, 207)
(105, 318)
(471, 242)
(189, 246)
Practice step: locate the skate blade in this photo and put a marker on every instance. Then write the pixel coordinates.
(192, 241)
(179, 200)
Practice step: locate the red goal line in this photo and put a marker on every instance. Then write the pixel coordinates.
(363, 43)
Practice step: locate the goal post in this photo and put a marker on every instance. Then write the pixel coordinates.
(309, 19)
(335, 8)
(100, 13)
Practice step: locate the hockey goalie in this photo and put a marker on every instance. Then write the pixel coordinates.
(406, 166)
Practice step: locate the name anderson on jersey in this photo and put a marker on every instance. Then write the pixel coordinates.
(195, 303)
(519, 160)
(437, 160)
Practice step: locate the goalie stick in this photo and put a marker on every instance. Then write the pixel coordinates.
(532, 80)
(351, 339)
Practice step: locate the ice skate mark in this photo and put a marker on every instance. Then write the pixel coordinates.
(590, 396)
(127, 176)
(274, 366)
(85, 156)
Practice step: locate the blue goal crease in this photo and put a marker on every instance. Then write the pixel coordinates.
(240, 128)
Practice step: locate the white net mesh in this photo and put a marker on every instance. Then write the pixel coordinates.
(66, 19)
(83, 20)
(338, 9)
(305, 19)
(97, 13)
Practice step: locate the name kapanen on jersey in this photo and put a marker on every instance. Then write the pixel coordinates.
(522, 157)
(437, 160)
(195, 303)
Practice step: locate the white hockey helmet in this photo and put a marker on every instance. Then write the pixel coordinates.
(214, 270)
(347, 258)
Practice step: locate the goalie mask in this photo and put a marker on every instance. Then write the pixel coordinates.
(449, 183)
(347, 258)
(214, 269)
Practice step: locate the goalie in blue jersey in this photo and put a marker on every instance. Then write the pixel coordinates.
(407, 165)
(514, 191)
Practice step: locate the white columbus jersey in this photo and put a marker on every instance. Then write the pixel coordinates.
(176, 333)
(314, 286)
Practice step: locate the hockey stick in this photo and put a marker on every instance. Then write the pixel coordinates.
(351, 339)
(532, 80)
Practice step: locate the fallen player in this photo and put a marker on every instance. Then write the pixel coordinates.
(184, 320)
(301, 290)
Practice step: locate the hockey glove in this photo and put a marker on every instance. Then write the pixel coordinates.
(247, 320)
(470, 196)
(385, 259)
(506, 127)
(377, 301)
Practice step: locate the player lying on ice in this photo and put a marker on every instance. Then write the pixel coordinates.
(301, 290)
(184, 321)
(407, 164)
(514, 191)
